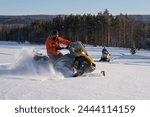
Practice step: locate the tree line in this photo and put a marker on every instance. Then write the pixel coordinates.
(102, 29)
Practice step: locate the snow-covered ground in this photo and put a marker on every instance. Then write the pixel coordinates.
(127, 76)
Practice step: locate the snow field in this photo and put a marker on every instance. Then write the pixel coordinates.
(127, 76)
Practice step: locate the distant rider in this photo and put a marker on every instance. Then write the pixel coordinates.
(53, 45)
(133, 50)
(105, 51)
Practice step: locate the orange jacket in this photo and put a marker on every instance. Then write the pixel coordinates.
(51, 44)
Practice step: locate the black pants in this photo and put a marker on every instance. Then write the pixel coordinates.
(53, 58)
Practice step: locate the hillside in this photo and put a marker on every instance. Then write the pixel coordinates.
(143, 18)
(26, 19)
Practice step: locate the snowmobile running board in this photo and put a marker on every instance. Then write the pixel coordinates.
(100, 74)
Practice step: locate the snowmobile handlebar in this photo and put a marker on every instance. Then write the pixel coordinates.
(60, 48)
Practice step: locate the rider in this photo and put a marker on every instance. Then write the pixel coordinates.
(105, 51)
(53, 45)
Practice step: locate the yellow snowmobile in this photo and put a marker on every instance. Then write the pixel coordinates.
(77, 60)
(105, 57)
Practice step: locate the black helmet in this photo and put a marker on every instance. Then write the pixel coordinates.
(54, 32)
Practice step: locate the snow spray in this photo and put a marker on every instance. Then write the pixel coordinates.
(25, 67)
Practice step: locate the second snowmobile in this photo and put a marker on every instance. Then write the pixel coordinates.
(105, 57)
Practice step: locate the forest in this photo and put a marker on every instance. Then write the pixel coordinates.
(102, 29)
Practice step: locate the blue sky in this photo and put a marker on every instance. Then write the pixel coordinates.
(51, 7)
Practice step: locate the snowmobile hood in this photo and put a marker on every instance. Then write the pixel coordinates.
(89, 58)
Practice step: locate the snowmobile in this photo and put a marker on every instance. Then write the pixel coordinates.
(133, 51)
(77, 60)
(105, 57)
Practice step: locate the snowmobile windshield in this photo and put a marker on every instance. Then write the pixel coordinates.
(77, 46)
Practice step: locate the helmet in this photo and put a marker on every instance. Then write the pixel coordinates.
(54, 32)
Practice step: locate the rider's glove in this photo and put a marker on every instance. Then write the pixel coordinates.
(67, 47)
(58, 48)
